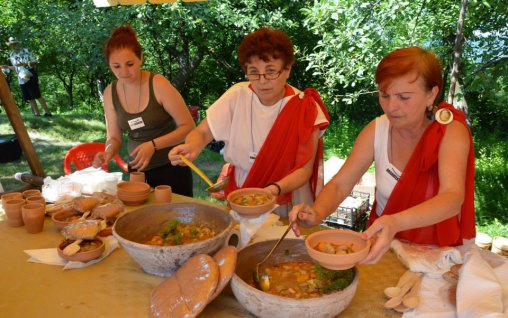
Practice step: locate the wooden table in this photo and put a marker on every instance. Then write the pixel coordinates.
(118, 287)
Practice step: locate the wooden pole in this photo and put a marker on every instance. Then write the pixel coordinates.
(24, 140)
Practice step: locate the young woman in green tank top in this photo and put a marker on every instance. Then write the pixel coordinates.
(149, 109)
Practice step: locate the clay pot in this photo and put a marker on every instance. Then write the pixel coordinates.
(254, 210)
(31, 192)
(163, 194)
(263, 304)
(65, 217)
(132, 192)
(82, 256)
(133, 229)
(36, 199)
(12, 210)
(33, 217)
(11, 195)
(137, 176)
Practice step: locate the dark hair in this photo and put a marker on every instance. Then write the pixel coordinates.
(410, 59)
(266, 43)
(122, 37)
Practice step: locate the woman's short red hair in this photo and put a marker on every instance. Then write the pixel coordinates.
(407, 60)
(266, 43)
(121, 38)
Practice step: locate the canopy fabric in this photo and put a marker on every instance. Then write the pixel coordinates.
(112, 3)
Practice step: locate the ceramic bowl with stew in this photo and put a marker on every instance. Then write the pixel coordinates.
(263, 304)
(136, 228)
(251, 202)
(90, 250)
(337, 249)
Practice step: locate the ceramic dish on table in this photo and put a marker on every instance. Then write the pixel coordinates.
(133, 192)
(264, 304)
(90, 250)
(251, 202)
(337, 249)
(134, 229)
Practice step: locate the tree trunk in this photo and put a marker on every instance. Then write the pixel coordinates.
(456, 56)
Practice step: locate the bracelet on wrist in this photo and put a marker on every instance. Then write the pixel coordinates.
(279, 189)
(154, 146)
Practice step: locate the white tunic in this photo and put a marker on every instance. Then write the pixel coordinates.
(240, 120)
(387, 174)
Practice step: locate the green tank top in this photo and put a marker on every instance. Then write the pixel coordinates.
(157, 123)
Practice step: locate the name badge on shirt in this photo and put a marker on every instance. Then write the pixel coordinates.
(252, 156)
(136, 123)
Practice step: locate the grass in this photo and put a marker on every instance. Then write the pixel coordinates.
(52, 137)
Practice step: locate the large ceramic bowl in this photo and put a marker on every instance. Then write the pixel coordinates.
(250, 211)
(267, 305)
(359, 246)
(133, 228)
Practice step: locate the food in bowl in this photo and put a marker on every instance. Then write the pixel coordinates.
(133, 229)
(251, 202)
(262, 304)
(89, 250)
(305, 279)
(331, 248)
(178, 233)
(252, 199)
(327, 239)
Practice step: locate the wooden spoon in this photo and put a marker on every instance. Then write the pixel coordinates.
(397, 300)
(391, 292)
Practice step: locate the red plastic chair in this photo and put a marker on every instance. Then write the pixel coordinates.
(82, 157)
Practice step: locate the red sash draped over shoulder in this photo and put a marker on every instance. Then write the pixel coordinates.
(420, 181)
(288, 146)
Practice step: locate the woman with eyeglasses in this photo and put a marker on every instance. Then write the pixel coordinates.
(271, 130)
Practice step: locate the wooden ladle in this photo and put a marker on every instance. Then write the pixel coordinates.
(212, 187)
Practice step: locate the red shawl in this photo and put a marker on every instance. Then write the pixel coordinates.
(420, 181)
(288, 146)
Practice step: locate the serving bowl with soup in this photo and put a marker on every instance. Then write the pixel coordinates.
(160, 238)
(297, 286)
(251, 202)
(337, 249)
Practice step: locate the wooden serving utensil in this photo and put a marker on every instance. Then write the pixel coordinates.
(397, 300)
(212, 187)
(412, 299)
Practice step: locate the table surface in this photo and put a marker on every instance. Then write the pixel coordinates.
(118, 287)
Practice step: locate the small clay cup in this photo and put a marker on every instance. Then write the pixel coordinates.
(11, 195)
(137, 176)
(33, 216)
(163, 194)
(12, 210)
(36, 199)
(31, 192)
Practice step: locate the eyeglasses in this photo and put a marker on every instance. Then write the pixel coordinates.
(268, 76)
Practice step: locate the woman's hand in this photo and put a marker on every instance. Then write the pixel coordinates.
(184, 150)
(302, 215)
(382, 232)
(101, 158)
(142, 155)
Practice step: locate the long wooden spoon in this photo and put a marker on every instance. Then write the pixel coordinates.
(391, 292)
(212, 187)
(411, 299)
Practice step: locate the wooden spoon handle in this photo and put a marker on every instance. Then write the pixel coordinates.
(72, 248)
(196, 169)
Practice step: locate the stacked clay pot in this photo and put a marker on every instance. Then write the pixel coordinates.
(132, 192)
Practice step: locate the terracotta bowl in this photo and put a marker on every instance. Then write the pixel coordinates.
(263, 304)
(133, 199)
(250, 211)
(359, 246)
(82, 256)
(133, 187)
(134, 228)
(64, 217)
